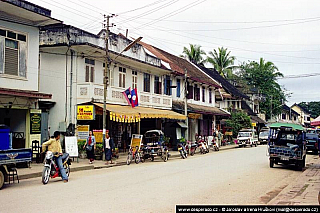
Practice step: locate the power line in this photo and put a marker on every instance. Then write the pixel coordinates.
(150, 11)
(300, 76)
(139, 8)
(188, 6)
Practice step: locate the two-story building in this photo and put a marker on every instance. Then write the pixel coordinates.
(288, 115)
(19, 70)
(304, 115)
(77, 59)
(201, 94)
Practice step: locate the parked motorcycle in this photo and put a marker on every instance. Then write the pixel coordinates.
(204, 148)
(182, 150)
(51, 168)
(215, 146)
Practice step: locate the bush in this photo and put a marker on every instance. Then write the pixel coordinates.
(238, 121)
(81, 143)
(99, 148)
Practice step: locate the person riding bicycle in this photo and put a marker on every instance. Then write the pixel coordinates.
(54, 146)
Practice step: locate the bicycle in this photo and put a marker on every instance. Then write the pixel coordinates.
(136, 155)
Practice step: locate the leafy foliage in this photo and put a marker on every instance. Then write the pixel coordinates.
(261, 79)
(313, 107)
(238, 121)
(194, 54)
(81, 143)
(222, 61)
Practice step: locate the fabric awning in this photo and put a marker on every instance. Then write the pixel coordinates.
(141, 112)
(316, 122)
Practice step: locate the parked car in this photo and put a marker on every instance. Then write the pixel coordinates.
(247, 137)
(284, 147)
(263, 136)
(312, 140)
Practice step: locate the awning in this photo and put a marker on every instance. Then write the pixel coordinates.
(207, 110)
(316, 122)
(256, 119)
(24, 93)
(182, 125)
(139, 112)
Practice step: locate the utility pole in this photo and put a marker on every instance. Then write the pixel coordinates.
(186, 102)
(105, 76)
(271, 108)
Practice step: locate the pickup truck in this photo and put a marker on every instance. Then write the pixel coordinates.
(247, 137)
(312, 140)
(10, 157)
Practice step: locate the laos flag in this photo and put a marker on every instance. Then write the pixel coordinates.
(134, 97)
(127, 95)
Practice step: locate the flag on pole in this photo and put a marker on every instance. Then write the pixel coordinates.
(134, 98)
(127, 95)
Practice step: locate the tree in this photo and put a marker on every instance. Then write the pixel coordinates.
(237, 121)
(222, 61)
(313, 107)
(194, 54)
(262, 79)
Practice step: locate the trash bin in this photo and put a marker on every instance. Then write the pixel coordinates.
(4, 137)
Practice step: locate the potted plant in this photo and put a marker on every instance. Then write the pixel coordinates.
(99, 151)
(81, 151)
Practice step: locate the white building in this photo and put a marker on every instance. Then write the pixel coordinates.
(288, 115)
(77, 60)
(19, 76)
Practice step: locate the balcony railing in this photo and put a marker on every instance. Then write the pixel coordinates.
(87, 92)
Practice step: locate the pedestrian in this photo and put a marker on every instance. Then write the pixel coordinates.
(216, 138)
(220, 137)
(90, 146)
(108, 147)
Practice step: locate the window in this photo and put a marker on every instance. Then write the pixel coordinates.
(294, 118)
(134, 79)
(122, 77)
(196, 93)
(203, 94)
(190, 92)
(157, 85)
(146, 82)
(89, 70)
(308, 118)
(178, 88)
(210, 96)
(13, 53)
(284, 116)
(167, 85)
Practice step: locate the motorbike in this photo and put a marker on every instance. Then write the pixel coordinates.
(204, 148)
(51, 168)
(215, 146)
(182, 150)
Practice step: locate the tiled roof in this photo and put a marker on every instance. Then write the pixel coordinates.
(179, 106)
(179, 65)
(225, 84)
(285, 107)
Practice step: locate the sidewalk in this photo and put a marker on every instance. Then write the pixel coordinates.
(35, 169)
(304, 190)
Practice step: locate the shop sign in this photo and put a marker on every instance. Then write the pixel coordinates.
(136, 142)
(83, 132)
(254, 124)
(35, 121)
(194, 115)
(71, 146)
(85, 112)
(98, 135)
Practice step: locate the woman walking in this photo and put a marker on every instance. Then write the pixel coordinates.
(89, 146)
(108, 147)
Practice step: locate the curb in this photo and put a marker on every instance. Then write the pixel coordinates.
(91, 167)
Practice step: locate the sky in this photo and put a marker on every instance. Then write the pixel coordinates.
(285, 32)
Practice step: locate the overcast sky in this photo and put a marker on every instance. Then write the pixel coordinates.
(286, 32)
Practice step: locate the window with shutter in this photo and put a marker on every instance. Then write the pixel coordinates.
(87, 73)
(134, 79)
(178, 88)
(13, 53)
(203, 94)
(146, 82)
(122, 77)
(190, 92)
(92, 74)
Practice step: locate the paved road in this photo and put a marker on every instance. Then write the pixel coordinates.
(238, 176)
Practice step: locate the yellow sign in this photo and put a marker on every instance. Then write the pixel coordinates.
(98, 135)
(136, 141)
(254, 124)
(194, 116)
(85, 112)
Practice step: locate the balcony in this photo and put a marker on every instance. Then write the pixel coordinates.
(87, 92)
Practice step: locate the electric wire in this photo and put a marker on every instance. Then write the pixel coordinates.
(139, 8)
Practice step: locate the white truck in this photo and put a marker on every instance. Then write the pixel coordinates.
(247, 137)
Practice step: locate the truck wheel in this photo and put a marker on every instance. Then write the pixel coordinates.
(299, 165)
(255, 144)
(1, 179)
(271, 163)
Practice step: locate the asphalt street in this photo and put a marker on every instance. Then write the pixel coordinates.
(237, 176)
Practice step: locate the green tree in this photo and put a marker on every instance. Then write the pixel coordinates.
(194, 54)
(237, 121)
(262, 79)
(313, 107)
(222, 61)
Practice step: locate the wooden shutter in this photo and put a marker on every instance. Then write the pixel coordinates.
(11, 61)
(23, 59)
(190, 92)
(1, 54)
(87, 73)
(92, 74)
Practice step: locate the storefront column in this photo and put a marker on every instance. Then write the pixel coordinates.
(27, 136)
(139, 127)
